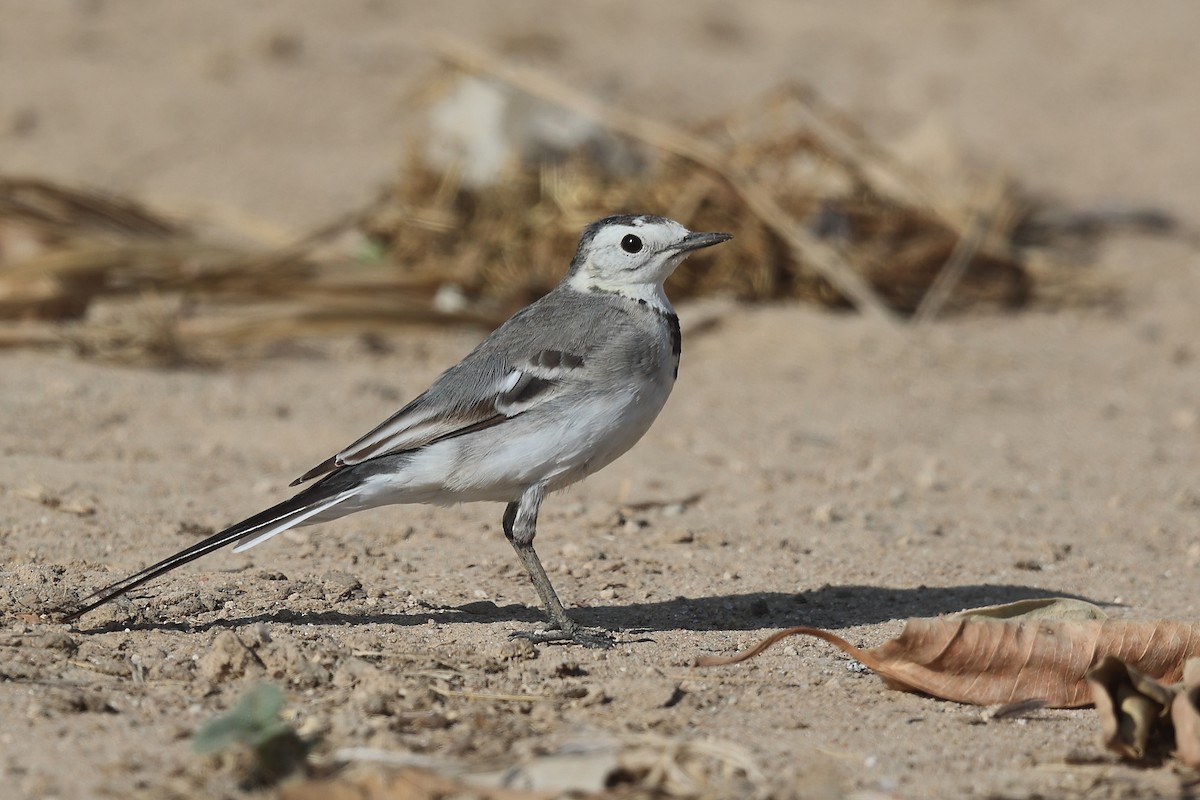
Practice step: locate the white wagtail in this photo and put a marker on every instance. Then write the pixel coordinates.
(558, 391)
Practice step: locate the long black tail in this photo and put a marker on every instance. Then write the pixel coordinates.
(277, 519)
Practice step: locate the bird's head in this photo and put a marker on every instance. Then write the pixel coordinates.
(633, 255)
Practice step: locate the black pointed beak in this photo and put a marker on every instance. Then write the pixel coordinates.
(696, 241)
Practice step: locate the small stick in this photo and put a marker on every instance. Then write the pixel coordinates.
(845, 135)
(499, 698)
(29, 334)
(956, 265)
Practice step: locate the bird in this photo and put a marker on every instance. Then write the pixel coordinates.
(558, 391)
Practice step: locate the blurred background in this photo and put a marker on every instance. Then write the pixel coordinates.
(950, 359)
(182, 183)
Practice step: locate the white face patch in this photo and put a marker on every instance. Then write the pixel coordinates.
(632, 258)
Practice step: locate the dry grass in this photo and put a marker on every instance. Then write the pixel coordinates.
(819, 212)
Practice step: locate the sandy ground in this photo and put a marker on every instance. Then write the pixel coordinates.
(809, 469)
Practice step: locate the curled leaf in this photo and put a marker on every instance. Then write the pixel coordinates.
(1185, 715)
(1005, 655)
(1132, 706)
(1062, 608)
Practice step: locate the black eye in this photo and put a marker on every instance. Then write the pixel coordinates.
(631, 244)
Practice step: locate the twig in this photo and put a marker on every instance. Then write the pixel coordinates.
(29, 334)
(499, 698)
(960, 259)
(392, 758)
(821, 256)
(842, 133)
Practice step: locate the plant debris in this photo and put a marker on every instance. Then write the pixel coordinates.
(1142, 717)
(1142, 675)
(1003, 654)
(255, 723)
(820, 212)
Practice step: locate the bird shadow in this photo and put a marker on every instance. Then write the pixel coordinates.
(829, 607)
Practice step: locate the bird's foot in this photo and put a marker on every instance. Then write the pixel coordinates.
(588, 637)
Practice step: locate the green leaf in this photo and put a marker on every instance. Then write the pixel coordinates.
(252, 722)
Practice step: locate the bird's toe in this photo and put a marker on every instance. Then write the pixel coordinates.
(576, 634)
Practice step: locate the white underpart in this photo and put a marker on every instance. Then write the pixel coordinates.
(497, 464)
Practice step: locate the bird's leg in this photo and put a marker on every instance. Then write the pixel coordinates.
(533, 565)
(520, 526)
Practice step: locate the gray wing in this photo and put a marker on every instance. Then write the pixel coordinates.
(528, 361)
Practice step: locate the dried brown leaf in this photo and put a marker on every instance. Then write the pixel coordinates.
(986, 661)
(1060, 608)
(1185, 716)
(1132, 706)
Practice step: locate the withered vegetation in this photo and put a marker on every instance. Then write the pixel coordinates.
(820, 214)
